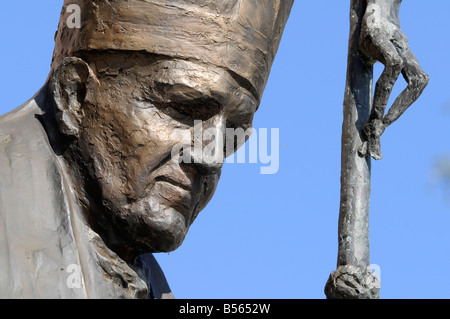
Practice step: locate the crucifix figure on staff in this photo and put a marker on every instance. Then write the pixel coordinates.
(375, 36)
(382, 40)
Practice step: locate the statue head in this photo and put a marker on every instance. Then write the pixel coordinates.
(133, 81)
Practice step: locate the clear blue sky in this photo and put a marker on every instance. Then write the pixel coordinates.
(275, 236)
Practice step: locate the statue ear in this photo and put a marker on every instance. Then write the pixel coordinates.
(69, 85)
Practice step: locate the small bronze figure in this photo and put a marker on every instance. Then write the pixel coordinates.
(382, 40)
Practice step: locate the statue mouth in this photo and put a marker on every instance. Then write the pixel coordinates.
(180, 184)
(175, 194)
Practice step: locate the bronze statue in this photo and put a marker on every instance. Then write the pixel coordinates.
(90, 186)
(375, 35)
(382, 40)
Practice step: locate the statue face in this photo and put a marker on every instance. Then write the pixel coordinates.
(134, 115)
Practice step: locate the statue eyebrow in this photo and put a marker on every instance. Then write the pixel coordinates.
(166, 95)
(166, 89)
(246, 84)
(180, 92)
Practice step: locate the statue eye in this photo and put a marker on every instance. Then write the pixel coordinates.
(182, 103)
(141, 101)
(174, 113)
(143, 104)
(188, 111)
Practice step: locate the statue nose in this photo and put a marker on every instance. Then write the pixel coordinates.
(208, 141)
(205, 169)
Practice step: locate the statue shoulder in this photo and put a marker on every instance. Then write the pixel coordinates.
(148, 268)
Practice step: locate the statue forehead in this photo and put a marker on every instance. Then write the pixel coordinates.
(226, 8)
(240, 36)
(197, 80)
(154, 69)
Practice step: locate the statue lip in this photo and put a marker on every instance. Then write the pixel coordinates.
(182, 201)
(170, 180)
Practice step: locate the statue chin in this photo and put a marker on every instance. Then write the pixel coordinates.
(168, 232)
(132, 233)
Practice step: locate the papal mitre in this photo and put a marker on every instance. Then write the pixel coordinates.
(241, 36)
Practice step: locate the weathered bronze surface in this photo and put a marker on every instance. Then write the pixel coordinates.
(382, 40)
(90, 186)
(375, 36)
